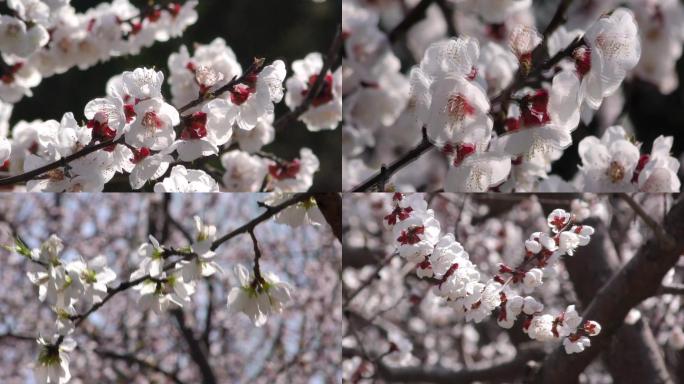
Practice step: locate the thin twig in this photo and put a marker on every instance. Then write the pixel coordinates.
(270, 212)
(368, 281)
(557, 20)
(671, 289)
(381, 178)
(132, 359)
(413, 17)
(333, 55)
(26, 176)
(257, 257)
(657, 229)
(254, 68)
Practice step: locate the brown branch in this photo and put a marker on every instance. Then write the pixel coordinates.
(557, 20)
(255, 67)
(672, 289)
(634, 282)
(330, 205)
(26, 176)
(504, 372)
(208, 314)
(633, 354)
(657, 229)
(270, 212)
(368, 281)
(333, 55)
(257, 256)
(132, 359)
(412, 18)
(196, 352)
(381, 178)
(16, 336)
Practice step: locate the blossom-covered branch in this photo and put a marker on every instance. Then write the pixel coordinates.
(216, 109)
(418, 240)
(633, 283)
(502, 100)
(166, 279)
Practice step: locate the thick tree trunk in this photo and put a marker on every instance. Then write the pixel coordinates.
(634, 282)
(633, 355)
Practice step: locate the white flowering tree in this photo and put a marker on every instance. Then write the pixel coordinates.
(154, 288)
(207, 135)
(447, 288)
(489, 95)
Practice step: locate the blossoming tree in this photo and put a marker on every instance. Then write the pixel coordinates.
(135, 289)
(473, 96)
(512, 288)
(206, 135)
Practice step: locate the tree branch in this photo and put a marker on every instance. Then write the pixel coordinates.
(634, 282)
(385, 173)
(504, 372)
(26, 176)
(196, 352)
(209, 313)
(413, 17)
(334, 53)
(633, 354)
(557, 20)
(270, 212)
(131, 359)
(254, 68)
(657, 229)
(168, 252)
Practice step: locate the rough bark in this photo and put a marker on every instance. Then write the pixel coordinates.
(633, 354)
(634, 282)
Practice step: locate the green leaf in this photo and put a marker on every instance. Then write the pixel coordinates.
(21, 247)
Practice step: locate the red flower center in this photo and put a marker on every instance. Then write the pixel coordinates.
(8, 76)
(458, 107)
(410, 236)
(326, 92)
(140, 154)
(129, 111)
(398, 214)
(582, 56)
(533, 108)
(643, 160)
(154, 15)
(101, 129)
(463, 150)
(195, 126)
(175, 9)
(285, 170)
(240, 93)
(152, 120)
(558, 222)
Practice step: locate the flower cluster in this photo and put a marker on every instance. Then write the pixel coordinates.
(217, 109)
(499, 114)
(64, 285)
(258, 295)
(165, 278)
(457, 280)
(614, 163)
(42, 38)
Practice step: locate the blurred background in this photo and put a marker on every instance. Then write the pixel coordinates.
(299, 346)
(273, 29)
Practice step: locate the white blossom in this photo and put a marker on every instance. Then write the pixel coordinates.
(258, 299)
